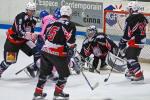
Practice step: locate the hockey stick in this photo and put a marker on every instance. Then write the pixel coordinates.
(88, 82)
(92, 87)
(106, 79)
(23, 69)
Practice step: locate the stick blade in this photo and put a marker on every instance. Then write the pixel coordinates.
(95, 86)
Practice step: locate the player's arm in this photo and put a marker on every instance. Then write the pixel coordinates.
(20, 29)
(126, 36)
(18, 24)
(34, 21)
(71, 36)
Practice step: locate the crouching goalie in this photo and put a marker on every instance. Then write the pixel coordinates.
(98, 44)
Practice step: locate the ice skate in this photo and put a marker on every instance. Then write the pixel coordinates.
(129, 75)
(61, 96)
(91, 70)
(1, 71)
(138, 78)
(103, 66)
(39, 96)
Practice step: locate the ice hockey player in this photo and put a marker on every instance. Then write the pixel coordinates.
(98, 44)
(46, 19)
(133, 41)
(57, 51)
(20, 36)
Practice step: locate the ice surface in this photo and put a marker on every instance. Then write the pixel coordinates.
(21, 87)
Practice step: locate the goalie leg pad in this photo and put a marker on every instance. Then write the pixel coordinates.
(116, 62)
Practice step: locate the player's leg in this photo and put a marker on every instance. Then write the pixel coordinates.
(95, 64)
(10, 56)
(74, 65)
(39, 44)
(29, 48)
(62, 68)
(134, 68)
(103, 63)
(45, 71)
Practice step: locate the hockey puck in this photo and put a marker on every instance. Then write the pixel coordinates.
(106, 79)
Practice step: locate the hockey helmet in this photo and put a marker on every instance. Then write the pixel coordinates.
(57, 14)
(65, 10)
(30, 6)
(43, 13)
(91, 31)
(133, 5)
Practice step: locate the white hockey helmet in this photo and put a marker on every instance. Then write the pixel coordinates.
(65, 10)
(30, 6)
(133, 5)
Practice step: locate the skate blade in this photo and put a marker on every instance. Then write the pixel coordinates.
(61, 98)
(39, 98)
(129, 78)
(138, 82)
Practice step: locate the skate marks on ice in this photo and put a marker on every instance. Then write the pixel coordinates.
(23, 81)
(41, 99)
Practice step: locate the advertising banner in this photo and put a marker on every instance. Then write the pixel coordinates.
(85, 13)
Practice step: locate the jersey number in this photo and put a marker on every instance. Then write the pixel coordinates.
(52, 32)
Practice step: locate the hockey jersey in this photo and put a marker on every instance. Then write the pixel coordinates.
(49, 19)
(98, 46)
(22, 24)
(59, 35)
(135, 30)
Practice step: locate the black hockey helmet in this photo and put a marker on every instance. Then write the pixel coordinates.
(91, 31)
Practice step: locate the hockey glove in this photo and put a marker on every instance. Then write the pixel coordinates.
(115, 50)
(71, 51)
(122, 44)
(30, 36)
(40, 42)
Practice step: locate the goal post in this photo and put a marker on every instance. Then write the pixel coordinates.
(113, 25)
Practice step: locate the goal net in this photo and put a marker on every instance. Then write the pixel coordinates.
(114, 22)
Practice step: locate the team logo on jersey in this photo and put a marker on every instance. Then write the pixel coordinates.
(67, 34)
(11, 57)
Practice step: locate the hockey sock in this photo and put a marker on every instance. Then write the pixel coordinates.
(4, 66)
(36, 58)
(60, 85)
(40, 84)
